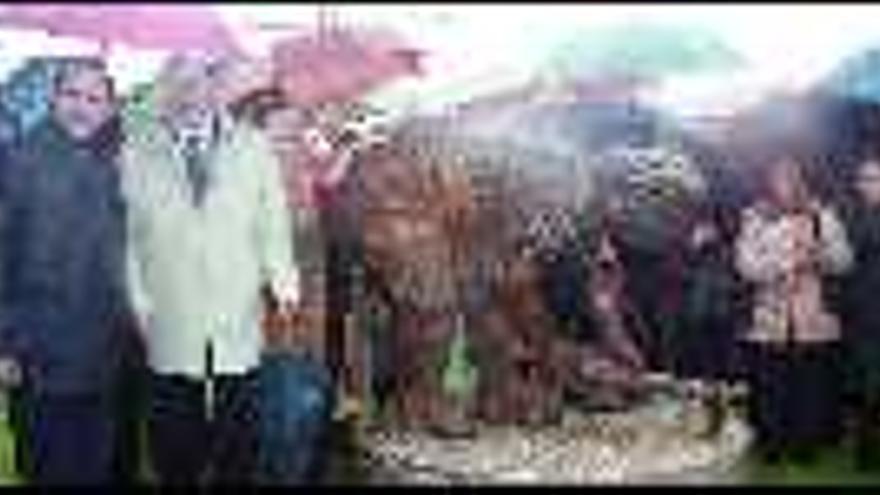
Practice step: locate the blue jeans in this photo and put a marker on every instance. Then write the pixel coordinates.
(296, 404)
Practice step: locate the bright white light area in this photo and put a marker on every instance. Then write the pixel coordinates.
(786, 47)
(476, 48)
(16, 46)
(708, 95)
(128, 67)
(257, 26)
(131, 67)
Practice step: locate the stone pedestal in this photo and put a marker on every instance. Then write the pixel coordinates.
(633, 447)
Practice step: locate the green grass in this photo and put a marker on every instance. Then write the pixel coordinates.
(8, 474)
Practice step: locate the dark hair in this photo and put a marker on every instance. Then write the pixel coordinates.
(70, 65)
(768, 157)
(258, 105)
(853, 173)
(775, 151)
(108, 138)
(595, 222)
(868, 153)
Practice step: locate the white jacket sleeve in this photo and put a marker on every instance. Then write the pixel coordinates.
(836, 253)
(138, 296)
(274, 225)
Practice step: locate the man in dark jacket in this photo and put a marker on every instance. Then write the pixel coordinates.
(859, 312)
(63, 277)
(706, 322)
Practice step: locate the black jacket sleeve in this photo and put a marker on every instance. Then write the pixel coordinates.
(14, 192)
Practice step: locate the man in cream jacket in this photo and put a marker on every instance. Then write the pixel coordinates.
(208, 228)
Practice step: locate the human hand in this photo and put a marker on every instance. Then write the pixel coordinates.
(604, 302)
(632, 356)
(791, 245)
(804, 243)
(703, 234)
(349, 408)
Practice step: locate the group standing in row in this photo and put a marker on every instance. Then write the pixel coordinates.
(164, 229)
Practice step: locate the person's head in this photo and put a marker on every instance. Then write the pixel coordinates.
(255, 107)
(188, 90)
(242, 78)
(867, 181)
(785, 182)
(83, 99)
(603, 255)
(285, 126)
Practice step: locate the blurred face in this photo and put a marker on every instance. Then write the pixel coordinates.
(606, 255)
(190, 91)
(318, 142)
(238, 78)
(786, 181)
(868, 182)
(83, 102)
(284, 128)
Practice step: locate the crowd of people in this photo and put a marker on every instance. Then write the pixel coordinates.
(184, 251)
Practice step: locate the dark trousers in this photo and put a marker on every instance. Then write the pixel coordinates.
(794, 397)
(70, 439)
(185, 441)
(868, 433)
(863, 391)
(130, 407)
(703, 350)
(337, 271)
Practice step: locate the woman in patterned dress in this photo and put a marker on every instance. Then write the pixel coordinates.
(788, 243)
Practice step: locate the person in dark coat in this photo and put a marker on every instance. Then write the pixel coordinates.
(64, 279)
(562, 282)
(861, 318)
(17, 397)
(710, 291)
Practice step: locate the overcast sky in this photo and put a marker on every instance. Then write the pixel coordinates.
(477, 46)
